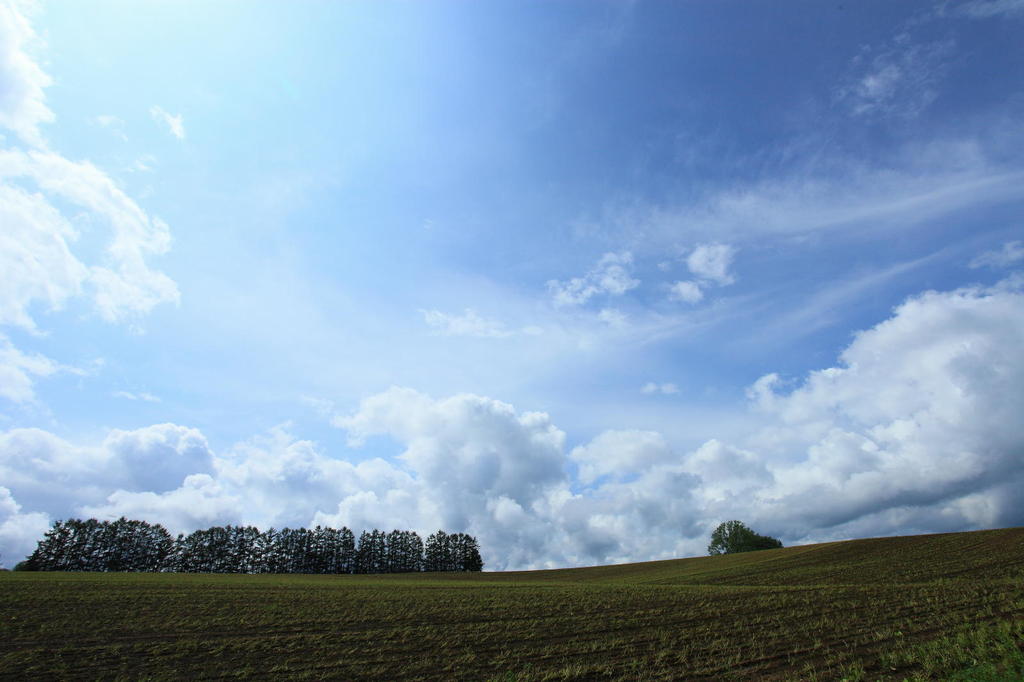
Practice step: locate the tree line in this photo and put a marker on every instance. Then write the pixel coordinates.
(138, 546)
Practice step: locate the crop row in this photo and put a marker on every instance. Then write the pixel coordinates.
(345, 628)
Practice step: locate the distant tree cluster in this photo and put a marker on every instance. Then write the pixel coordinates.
(734, 536)
(126, 545)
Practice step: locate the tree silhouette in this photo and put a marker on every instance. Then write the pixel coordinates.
(732, 537)
(126, 545)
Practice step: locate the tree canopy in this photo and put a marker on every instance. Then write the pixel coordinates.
(734, 536)
(127, 545)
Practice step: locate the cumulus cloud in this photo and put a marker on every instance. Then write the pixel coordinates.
(726, 472)
(916, 428)
(22, 82)
(1011, 253)
(919, 414)
(611, 276)
(469, 323)
(19, 532)
(199, 502)
(175, 123)
(687, 292)
(465, 445)
(711, 263)
(50, 478)
(620, 454)
(45, 472)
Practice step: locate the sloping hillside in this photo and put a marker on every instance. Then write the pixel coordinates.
(986, 554)
(881, 609)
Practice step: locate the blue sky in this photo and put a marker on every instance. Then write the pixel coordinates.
(581, 278)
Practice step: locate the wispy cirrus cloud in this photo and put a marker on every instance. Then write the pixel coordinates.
(175, 122)
(652, 387)
(128, 395)
(923, 184)
(985, 9)
(1009, 254)
(112, 123)
(899, 80)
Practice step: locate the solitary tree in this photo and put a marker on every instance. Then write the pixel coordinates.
(734, 536)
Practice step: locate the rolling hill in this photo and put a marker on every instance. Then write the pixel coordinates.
(920, 607)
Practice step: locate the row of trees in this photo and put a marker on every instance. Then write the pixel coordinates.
(128, 545)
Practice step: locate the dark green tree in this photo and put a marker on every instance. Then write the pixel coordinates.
(732, 537)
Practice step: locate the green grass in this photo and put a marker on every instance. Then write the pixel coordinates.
(926, 607)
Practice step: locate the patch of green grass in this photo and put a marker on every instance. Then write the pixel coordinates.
(988, 652)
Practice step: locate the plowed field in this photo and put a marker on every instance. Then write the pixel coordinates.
(921, 607)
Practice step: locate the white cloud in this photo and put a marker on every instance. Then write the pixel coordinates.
(128, 395)
(40, 258)
(620, 454)
(900, 80)
(34, 255)
(467, 324)
(1012, 252)
(112, 123)
(919, 414)
(322, 406)
(143, 164)
(919, 183)
(289, 481)
(175, 123)
(984, 9)
(711, 262)
(915, 429)
(199, 502)
(726, 473)
(22, 82)
(18, 368)
(46, 204)
(614, 318)
(48, 474)
(19, 532)
(610, 276)
(466, 445)
(666, 389)
(821, 307)
(687, 292)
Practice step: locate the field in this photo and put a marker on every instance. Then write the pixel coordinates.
(922, 607)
